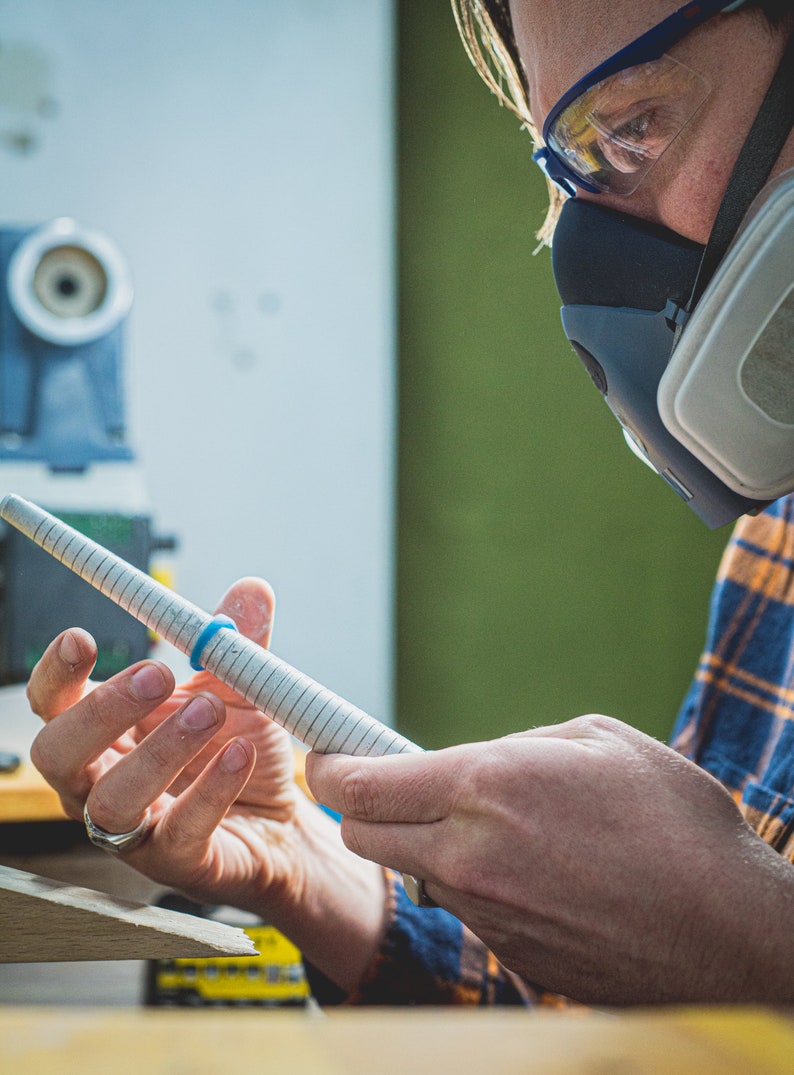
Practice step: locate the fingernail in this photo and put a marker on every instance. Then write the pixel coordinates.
(69, 650)
(198, 715)
(148, 683)
(249, 610)
(234, 758)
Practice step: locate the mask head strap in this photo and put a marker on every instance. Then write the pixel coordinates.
(757, 158)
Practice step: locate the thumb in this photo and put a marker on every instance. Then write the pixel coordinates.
(397, 788)
(251, 603)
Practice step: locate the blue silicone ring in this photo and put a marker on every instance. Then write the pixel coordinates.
(217, 623)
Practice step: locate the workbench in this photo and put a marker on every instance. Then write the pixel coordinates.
(396, 1042)
(24, 794)
(91, 1033)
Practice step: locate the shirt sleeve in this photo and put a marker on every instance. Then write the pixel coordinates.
(737, 720)
(428, 957)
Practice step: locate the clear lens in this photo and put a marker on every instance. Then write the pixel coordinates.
(614, 132)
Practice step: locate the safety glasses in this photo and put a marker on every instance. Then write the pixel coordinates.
(608, 130)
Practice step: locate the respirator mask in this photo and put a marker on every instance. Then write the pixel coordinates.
(692, 347)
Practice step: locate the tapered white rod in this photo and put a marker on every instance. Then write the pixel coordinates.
(320, 719)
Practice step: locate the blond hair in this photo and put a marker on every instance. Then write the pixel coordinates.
(486, 30)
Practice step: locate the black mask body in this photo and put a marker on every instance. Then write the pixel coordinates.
(621, 281)
(629, 289)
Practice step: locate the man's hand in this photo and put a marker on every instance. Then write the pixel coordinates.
(216, 777)
(221, 828)
(590, 858)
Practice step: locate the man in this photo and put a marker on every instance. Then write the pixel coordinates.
(588, 858)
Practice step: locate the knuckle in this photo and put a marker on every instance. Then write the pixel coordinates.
(103, 707)
(208, 801)
(157, 754)
(103, 808)
(486, 771)
(44, 757)
(38, 693)
(40, 756)
(72, 809)
(177, 839)
(33, 698)
(71, 786)
(597, 724)
(357, 796)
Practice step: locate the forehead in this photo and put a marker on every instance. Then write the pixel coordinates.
(561, 40)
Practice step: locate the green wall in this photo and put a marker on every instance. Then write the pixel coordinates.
(543, 571)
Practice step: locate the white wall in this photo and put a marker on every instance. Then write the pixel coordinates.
(240, 154)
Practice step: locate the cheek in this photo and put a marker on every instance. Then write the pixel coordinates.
(689, 197)
(682, 192)
(689, 208)
(691, 177)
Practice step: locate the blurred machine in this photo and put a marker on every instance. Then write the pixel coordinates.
(275, 978)
(65, 293)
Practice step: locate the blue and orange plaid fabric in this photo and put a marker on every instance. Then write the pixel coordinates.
(737, 722)
(738, 718)
(429, 957)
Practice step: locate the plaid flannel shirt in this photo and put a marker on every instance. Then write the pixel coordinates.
(738, 718)
(737, 722)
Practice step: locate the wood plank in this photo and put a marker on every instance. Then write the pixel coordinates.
(42, 920)
(26, 796)
(205, 1042)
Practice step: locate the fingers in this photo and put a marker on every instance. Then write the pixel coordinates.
(121, 797)
(59, 678)
(393, 808)
(65, 748)
(398, 788)
(123, 746)
(199, 810)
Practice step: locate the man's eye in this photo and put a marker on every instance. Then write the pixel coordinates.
(648, 128)
(630, 145)
(634, 140)
(634, 134)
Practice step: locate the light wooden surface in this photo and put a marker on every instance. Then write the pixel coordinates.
(46, 920)
(416, 1042)
(24, 795)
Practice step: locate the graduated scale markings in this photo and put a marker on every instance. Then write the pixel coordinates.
(316, 716)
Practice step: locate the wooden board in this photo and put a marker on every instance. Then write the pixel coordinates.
(206, 1042)
(26, 796)
(42, 920)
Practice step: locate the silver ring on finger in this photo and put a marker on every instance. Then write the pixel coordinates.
(116, 841)
(415, 890)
